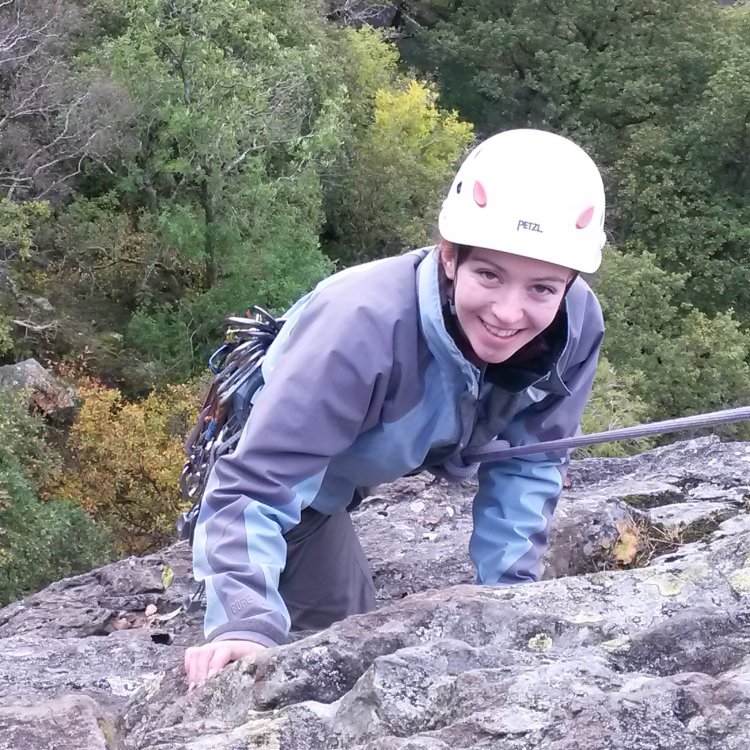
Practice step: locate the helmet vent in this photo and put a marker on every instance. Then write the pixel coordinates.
(480, 196)
(585, 218)
(459, 186)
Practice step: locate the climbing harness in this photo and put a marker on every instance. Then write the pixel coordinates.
(237, 365)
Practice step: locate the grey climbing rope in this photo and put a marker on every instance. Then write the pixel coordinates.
(500, 450)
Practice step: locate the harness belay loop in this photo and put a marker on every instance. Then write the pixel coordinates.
(237, 365)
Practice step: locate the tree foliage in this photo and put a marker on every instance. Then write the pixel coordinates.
(124, 462)
(402, 162)
(17, 224)
(40, 542)
(51, 121)
(685, 184)
(594, 69)
(235, 115)
(681, 359)
(238, 137)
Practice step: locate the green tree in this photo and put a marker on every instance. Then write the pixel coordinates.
(680, 360)
(593, 69)
(685, 186)
(40, 542)
(236, 115)
(399, 171)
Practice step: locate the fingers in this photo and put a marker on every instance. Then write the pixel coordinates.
(219, 659)
(202, 662)
(197, 659)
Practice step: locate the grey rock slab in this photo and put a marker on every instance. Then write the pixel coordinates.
(89, 634)
(64, 723)
(690, 463)
(429, 665)
(656, 657)
(416, 534)
(45, 392)
(682, 516)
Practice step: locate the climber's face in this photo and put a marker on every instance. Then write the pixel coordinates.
(502, 300)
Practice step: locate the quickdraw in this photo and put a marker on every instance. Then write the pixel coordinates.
(237, 365)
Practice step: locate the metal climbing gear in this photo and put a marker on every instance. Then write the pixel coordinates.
(237, 364)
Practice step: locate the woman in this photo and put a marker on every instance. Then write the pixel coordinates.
(398, 365)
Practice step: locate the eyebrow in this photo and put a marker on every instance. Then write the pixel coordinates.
(541, 279)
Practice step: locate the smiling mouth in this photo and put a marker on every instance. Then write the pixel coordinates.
(500, 333)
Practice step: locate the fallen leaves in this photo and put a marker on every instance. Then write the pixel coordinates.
(628, 543)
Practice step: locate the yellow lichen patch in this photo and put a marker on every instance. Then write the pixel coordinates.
(667, 583)
(540, 642)
(671, 584)
(584, 617)
(739, 580)
(167, 576)
(617, 645)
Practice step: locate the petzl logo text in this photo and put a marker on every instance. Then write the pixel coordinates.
(529, 225)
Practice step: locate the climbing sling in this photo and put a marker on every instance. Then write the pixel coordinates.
(501, 450)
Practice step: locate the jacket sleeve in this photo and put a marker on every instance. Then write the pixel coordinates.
(516, 498)
(314, 404)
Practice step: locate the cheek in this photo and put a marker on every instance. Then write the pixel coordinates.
(544, 315)
(468, 299)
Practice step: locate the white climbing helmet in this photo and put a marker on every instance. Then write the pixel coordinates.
(530, 193)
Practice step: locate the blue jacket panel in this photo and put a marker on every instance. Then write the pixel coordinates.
(363, 385)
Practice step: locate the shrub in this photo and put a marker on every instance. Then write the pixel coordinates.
(614, 403)
(124, 460)
(40, 542)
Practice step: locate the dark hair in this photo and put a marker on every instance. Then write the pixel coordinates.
(462, 253)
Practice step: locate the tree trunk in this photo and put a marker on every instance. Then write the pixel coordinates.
(210, 275)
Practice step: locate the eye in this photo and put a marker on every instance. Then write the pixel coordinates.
(543, 290)
(487, 275)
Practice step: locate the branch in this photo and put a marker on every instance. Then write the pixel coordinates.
(35, 327)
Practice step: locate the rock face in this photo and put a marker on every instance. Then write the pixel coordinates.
(45, 393)
(654, 657)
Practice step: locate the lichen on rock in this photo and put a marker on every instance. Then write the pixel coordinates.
(592, 657)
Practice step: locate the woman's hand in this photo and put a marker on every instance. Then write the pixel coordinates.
(202, 662)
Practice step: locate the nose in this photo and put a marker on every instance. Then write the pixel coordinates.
(508, 308)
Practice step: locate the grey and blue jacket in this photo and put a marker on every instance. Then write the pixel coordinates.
(365, 384)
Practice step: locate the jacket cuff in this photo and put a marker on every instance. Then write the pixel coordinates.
(245, 635)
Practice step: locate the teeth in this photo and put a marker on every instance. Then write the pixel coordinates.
(500, 332)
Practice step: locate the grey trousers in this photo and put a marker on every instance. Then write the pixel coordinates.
(327, 576)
